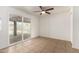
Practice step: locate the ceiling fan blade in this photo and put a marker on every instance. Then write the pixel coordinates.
(49, 9)
(40, 13)
(41, 8)
(48, 12)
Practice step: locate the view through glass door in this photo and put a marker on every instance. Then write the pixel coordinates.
(19, 26)
(26, 28)
(15, 29)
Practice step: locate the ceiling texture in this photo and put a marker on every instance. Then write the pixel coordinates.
(31, 9)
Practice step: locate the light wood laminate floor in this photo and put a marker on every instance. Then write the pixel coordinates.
(41, 45)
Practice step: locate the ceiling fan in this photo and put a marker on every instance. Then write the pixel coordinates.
(43, 11)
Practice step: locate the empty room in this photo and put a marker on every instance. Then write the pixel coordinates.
(38, 29)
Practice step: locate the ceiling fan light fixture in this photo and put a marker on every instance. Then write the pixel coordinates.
(43, 12)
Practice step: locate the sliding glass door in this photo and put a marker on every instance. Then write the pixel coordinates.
(19, 28)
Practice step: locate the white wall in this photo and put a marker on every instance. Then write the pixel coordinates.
(4, 27)
(75, 41)
(57, 25)
(4, 14)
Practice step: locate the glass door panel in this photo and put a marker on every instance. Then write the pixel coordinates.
(15, 29)
(26, 28)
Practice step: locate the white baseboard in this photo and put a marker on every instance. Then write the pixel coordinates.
(56, 38)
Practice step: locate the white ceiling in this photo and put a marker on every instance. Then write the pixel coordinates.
(31, 9)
